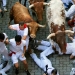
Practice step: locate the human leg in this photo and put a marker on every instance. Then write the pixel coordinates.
(5, 57)
(4, 5)
(36, 59)
(15, 62)
(70, 12)
(23, 59)
(26, 67)
(48, 51)
(25, 2)
(41, 47)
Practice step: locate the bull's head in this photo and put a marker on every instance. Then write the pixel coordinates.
(33, 27)
(59, 38)
(38, 8)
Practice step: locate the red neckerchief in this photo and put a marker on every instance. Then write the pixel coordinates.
(25, 26)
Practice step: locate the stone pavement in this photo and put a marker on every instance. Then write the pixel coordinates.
(62, 63)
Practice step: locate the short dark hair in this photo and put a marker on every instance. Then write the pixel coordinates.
(54, 71)
(18, 38)
(2, 36)
(21, 23)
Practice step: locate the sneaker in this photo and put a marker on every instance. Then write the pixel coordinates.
(28, 72)
(16, 71)
(5, 9)
(5, 64)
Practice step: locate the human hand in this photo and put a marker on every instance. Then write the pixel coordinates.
(23, 55)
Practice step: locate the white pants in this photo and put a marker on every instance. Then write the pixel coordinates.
(46, 48)
(42, 61)
(17, 56)
(44, 45)
(5, 54)
(71, 12)
(4, 2)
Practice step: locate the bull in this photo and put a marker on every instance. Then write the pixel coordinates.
(19, 13)
(55, 15)
(38, 7)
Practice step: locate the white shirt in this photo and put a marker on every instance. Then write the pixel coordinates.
(16, 48)
(70, 49)
(20, 32)
(2, 44)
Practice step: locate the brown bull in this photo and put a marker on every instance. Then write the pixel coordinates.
(20, 13)
(38, 7)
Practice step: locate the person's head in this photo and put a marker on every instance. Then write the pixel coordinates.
(18, 39)
(2, 37)
(54, 72)
(73, 1)
(21, 25)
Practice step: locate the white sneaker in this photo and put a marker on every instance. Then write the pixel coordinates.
(5, 9)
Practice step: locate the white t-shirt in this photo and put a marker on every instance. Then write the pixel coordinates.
(16, 48)
(2, 44)
(20, 32)
(71, 48)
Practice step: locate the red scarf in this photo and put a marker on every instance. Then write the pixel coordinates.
(25, 26)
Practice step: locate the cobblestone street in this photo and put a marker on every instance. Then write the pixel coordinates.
(62, 63)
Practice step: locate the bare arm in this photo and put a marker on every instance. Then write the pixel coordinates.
(71, 56)
(71, 38)
(24, 50)
(24, 37)
(10, 27)
(6, 41)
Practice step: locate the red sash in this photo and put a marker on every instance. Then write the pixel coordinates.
(10, 54)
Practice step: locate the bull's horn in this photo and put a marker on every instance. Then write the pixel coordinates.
(27, 24)
(44, 3)
(49, 36)
(42, 26)
(32, 5)
(69, 31)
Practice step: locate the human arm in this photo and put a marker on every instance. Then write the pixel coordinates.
(24, 50)
(6, 41)
(71, 38)
(13, 27)
(72, 56)
(25, 34)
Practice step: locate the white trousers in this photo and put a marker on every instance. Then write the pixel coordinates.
(4, 2)
(42, 61)
(71, 12)
(5, 54)
(46, 48)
